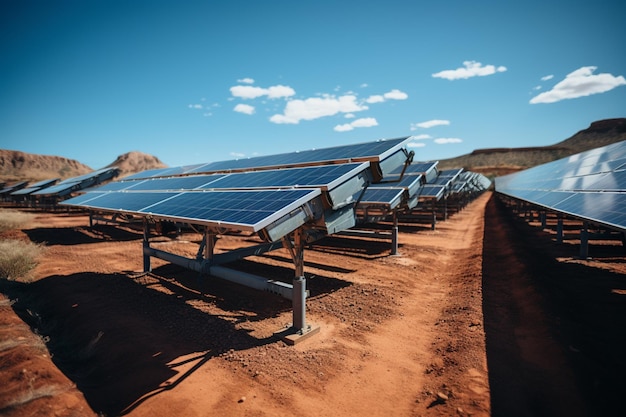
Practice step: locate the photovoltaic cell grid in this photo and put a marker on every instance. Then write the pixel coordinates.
(359, 152)
(589, 185)
(70, 185)
(249, 200)
(339, 154)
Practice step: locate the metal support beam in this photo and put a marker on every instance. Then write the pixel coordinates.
(394, 234)
(299, 329)
(559, 229)
(584, 241)
(146, 246)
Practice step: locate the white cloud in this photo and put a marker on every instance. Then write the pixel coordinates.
(537, 87)
(375, 99)
(396, 94)
(363, 85)
(580, 83)
(279, 91)
(244, 108)
(249, 92)
(420, 137)
(237, 155)
(415, 144)
(547, 77)
(363, 122)
(349, 116)
(470, 69)
(430, 123)
(316, 107)
(343, 128)
(246, 80)
(443, 141)
(195, 106)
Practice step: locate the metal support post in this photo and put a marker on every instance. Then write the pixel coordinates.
(300, 330)
(434, 219)
(584, 241)
(559, 229)
(542, 216)
(394, 234)
(146, 246)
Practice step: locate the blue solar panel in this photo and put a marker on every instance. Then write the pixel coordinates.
(119, 201)
(176, 183)
(324, 176)
(432, 192)
(391, 197)
(360, 152)
(251, 210)
(588, 185)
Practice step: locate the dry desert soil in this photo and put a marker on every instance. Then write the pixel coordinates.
(486, 315)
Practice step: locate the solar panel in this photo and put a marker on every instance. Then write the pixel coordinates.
(245, 210)
(389, 197)
(427, 169)
(70, 185)
(588, 185)
(61, 188)
(324, 176)
(432, 192)
(360, 152)
(157, 172)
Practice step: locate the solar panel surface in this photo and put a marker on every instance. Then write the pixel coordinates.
(589, 185)
(378, 150)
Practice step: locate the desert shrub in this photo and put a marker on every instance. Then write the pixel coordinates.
(17, 258)
(11, 219)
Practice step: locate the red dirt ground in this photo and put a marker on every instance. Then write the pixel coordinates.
(483, 316)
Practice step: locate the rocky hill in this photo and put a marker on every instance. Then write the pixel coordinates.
(132, 162)
(21, 166)
(501, 161)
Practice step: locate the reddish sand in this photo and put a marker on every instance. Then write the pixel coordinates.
(483, 316)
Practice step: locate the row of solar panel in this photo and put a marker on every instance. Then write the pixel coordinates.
(360, 152)
(237, 200)
(324, 176)
(421, 180)
(590, 185)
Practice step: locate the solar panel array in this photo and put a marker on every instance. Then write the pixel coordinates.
(74, 184)
(590, 185)
(421, 181)
(252, 194)
(13, 187)
(38, 186)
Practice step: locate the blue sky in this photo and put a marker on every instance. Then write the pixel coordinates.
(199, 81)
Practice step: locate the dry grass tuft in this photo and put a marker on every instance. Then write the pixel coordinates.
(18, 258)
(11, 219)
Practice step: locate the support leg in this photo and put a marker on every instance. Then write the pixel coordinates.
(300, 330)
(584, 241)
(146, 246)
(394, 235)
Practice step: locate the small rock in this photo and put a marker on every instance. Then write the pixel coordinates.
(242, 399)
(442, 397)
